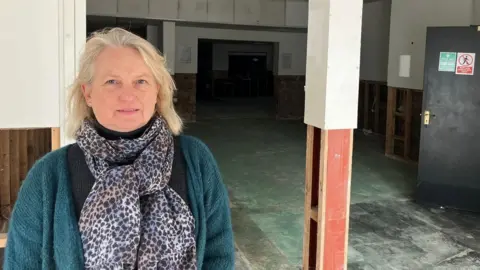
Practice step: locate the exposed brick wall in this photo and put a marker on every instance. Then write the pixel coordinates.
(186, 96)
(290, 96)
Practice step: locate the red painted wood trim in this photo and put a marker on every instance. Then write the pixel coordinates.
(335, 179)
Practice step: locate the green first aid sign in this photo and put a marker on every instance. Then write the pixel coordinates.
(447, 61)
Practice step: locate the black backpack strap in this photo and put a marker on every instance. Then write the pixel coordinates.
(178, 181)
(81, 179)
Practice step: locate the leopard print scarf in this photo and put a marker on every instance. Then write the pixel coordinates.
(132, 219)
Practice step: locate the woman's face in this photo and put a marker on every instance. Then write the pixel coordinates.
(123, 93)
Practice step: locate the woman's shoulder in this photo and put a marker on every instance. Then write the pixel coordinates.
(51, 166)
(52, 159)
(42, 181)
(194, 148)
(200, 159)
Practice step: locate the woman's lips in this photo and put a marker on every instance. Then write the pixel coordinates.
(128, 111)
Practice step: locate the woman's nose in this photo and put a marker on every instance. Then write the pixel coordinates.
(127, 93)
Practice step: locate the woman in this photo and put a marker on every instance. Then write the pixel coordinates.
(132, 193)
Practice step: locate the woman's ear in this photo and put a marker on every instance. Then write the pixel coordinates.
(87, 94)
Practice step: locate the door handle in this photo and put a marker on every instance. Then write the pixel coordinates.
(426, 117)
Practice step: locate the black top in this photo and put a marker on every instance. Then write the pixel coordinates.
(82, 179)
(116, 135)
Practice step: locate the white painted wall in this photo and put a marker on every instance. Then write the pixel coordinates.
(38, 60)
(289, 43)
(221, 52)
(409, 21)
(296, 13)
(292, 13)
(102, 8)
(476, 12)
(375, 39)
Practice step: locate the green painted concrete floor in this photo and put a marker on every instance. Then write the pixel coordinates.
(263, 164)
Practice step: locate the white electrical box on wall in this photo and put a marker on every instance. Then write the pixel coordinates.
(404, 66)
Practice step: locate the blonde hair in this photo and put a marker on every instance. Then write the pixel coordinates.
(78, 110)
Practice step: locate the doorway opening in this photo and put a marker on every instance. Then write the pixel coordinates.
(235, 79)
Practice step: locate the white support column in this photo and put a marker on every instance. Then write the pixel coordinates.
(331, 100)
(73, 32)
(333, 63)
(39, 43)
(169, 45)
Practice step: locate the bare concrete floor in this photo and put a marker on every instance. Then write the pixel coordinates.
(263, 164)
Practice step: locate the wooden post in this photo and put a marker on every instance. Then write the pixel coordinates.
(334, 200)
(4, 182)
(366, 105)
(408, 124)
(55, 138)
(4, 170)
(312, 174)
(3, 240)
(390, 131)
(327, 200)
(14, 164)
(376, 127)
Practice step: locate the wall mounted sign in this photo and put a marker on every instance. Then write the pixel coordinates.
(286, 60)
(185, 54)
(447, 61)
(465, 64)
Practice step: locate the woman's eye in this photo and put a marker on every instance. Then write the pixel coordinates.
(141, 81)
(111, 82)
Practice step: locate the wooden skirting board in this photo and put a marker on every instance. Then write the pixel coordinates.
(19, 150)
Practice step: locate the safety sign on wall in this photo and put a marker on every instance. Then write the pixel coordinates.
(465, 64)
(447, 62)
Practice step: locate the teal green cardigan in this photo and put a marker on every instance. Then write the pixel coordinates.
(43, 231)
